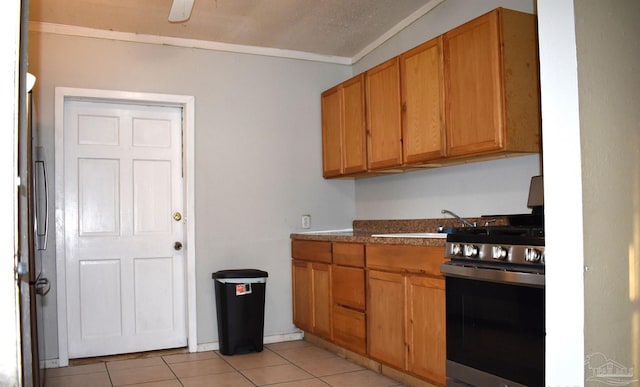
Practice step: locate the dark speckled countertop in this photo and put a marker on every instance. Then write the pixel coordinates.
(363, 229)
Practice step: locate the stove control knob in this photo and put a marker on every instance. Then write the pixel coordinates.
(532, 255)
(499, 252)
(470, 251)
(456, 249)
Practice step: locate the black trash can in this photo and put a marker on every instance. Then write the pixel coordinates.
(240, 297)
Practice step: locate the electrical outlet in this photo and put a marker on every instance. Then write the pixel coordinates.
(306, 221)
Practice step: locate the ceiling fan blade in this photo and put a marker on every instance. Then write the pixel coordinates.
(180, 10)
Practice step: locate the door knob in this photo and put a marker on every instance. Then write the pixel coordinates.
(177, 216)
(177, 246)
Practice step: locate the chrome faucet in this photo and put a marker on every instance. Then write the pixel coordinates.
(461, 219)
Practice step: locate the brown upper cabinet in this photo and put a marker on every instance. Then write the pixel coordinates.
(422, 93)
(492, 85)
(470, 94)
(343, 129)
(384, 133)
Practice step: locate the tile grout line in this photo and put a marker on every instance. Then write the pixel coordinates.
(171, 369)
(235, 369)
(320, 378)
(139, 368)
(302, 369)
(271, 351)
(276, 365)
(108, 373)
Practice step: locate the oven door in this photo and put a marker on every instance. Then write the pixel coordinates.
(495, 330)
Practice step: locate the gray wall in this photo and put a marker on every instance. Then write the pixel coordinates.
(608, 50)
(258, 161)
(491, 187)
(248, 206)
(470, 190)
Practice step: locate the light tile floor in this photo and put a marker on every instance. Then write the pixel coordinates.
(293, 364)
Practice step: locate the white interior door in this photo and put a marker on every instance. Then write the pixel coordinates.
(125, 279)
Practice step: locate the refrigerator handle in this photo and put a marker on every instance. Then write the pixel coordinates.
(43, 168)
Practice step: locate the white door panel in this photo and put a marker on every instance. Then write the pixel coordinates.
(98, 130)
(123, 182)
(153, 294)
(151, 132)
(98, 197)
(104, 318)
(151, 196)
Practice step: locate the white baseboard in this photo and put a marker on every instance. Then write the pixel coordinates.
(267, 340)
(54, 363)
(285, 337)
(208, 347)
(51, 363)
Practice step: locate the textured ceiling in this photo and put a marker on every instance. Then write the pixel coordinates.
(326, 27)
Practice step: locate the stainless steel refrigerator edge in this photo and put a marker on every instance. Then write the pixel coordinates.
(32, 229)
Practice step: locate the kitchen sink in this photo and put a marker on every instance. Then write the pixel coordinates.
(412, 235)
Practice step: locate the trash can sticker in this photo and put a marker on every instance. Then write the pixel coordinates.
(242, 289)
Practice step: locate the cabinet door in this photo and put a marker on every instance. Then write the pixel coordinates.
(383, 115)
(385, 317)
(331, 143)
(301, 284)
(426, 329)
(474, 110)
(321, 299)
(353, 124)
(422, 84)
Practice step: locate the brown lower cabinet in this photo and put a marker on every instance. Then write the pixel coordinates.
(349, 329)
(348, 289)
(386, 304)
(311, 282)
(406, 309)
(312, 297)
(321, 297)
(301, 284)
(425, 327)
(389, 307)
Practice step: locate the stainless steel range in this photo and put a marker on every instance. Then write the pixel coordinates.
(495, 304)
(506, 254)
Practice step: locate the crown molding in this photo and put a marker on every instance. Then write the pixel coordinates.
(68, 30)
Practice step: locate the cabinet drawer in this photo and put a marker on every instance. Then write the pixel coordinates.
(316, 251)
(401, 258)
(348, 287)
(348, 254)
(349, 329)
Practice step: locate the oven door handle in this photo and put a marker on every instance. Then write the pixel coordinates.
(492, 275)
